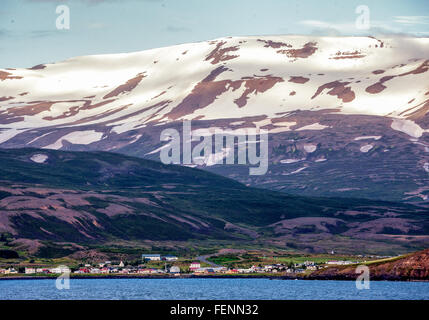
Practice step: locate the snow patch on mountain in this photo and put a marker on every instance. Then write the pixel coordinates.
(310, 148)
(367, 138)
(408, 126)
(295, 172)
(287, 161)
(366, 148)
(77, 137)
(39, 158)
(314, 126)
(6, 134)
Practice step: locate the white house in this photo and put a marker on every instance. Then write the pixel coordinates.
(244, 270)
(194, 266)
(30, 270)
(343, 263)
(95, 270)
(11, 271)
(170, 258)
(174, 269)
(151, 257)
(60, 269)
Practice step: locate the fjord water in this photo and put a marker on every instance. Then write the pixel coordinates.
(211, 289)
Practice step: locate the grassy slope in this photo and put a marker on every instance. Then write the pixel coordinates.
(179, 191)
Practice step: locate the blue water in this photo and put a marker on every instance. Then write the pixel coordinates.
(211, 289)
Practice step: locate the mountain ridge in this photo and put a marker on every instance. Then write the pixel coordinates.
(355, 107)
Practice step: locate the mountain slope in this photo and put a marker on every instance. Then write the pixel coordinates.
(347, 116)
(99, 197)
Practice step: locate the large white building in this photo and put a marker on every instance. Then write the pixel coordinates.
(151, 257)
(174, 269)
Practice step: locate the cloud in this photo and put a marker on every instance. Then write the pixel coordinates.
(411, 20)
(336, 29)
(323, 26)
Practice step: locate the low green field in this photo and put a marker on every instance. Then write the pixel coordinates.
(255, 258)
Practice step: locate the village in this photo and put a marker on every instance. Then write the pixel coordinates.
(170, 268)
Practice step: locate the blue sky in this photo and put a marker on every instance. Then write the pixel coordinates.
(28, 35)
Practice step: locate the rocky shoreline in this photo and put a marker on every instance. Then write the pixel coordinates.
(412, 267)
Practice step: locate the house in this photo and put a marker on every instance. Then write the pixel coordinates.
(174, 269)
(170, 258)
(148, 271)
(256, 269)
(59, 270)
(232, 271)
(11, 271)
(242, 270)
(220, 269)
(3, 271)
(30, 270)
(82, 270)
(105, 270)
(151, 257)
(205, 270)
(194, 266)
(199, 271)
(342, 263)
(268, 268)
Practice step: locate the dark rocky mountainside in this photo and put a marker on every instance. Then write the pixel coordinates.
(96, 197)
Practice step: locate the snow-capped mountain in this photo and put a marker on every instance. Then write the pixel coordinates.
(323, 99)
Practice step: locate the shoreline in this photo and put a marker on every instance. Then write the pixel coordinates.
(270, 277)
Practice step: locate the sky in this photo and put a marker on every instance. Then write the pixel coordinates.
(29, 35)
